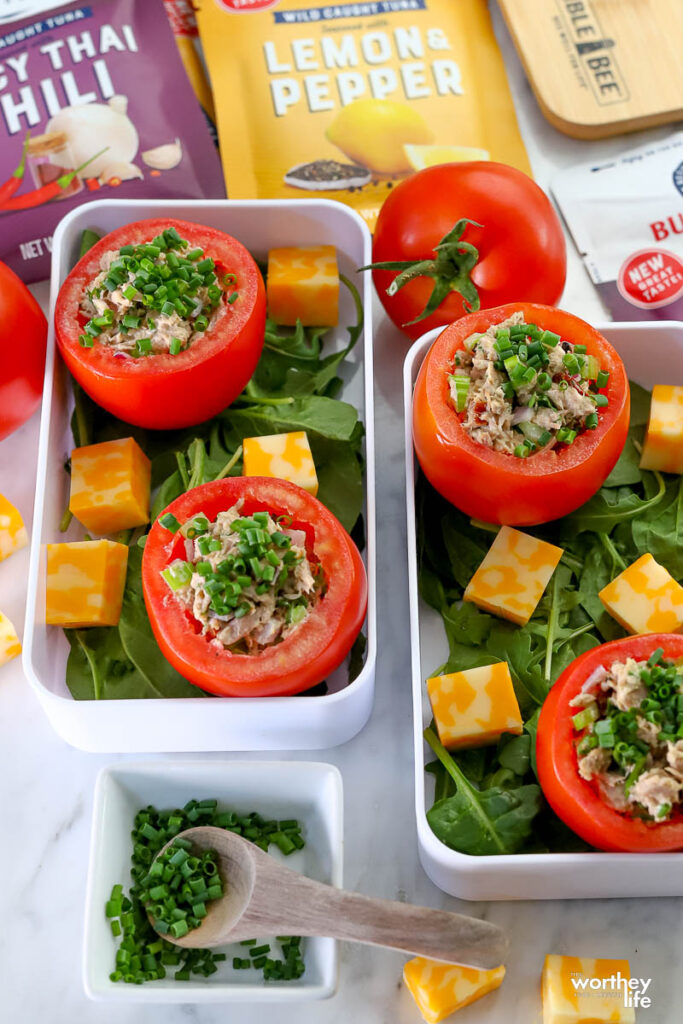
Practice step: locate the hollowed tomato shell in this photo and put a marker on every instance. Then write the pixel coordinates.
(163, 392)
(575, 800)
(497, 487)
(314, 649)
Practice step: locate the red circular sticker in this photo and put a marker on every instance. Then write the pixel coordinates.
(247, 6)
(651, 278)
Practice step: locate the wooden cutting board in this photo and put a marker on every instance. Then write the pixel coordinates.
(601, 67)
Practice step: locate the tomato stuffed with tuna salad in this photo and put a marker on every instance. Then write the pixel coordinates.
(162, 322)
(610, 744)
(253, 587)
(520, 413)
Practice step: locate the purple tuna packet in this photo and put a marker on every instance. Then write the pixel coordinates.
(84, 78)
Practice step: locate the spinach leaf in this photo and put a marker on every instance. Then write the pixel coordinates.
(480, 822)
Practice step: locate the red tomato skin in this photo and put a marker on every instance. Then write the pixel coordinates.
(494, 486)
(23, 333)
(164, 392)
(522, 249)
(309, 654)
(574, 799)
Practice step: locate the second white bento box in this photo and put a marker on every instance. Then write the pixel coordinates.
(652, 353)
(191, 724)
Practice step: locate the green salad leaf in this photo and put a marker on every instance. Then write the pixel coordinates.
(487, 800)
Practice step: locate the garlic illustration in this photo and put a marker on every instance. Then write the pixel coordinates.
(120, 169)
(95, 125)
(164, 158)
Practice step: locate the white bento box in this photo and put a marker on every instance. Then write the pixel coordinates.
(652, 353)
(306, 790)
(191, 724)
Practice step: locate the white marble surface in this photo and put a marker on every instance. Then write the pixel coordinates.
(46, 787)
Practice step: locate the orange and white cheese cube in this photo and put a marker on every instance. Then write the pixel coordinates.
(663, 446)
(13, 534)
(286, 456)
(515, 572)
(85, 583)
(110, 485)
(303, 284)
(645, 598)
(474, 707)
(441, 989)
(9, 641)
(579, 990)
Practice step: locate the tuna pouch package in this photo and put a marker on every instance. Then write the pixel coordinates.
(342, 100)
(94, 103)
(626, 218)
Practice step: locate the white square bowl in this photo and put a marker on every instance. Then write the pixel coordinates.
(309, 791)
(195, 724)
(652, 352)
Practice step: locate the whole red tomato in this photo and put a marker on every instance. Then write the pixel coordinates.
(495, 486)
(166, 391)
(575, 800)
(23, 331)
(515, 250)
(310, 652)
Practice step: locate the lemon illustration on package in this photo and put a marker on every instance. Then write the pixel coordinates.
(373, 133)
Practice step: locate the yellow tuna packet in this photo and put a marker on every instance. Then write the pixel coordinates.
(342, 100)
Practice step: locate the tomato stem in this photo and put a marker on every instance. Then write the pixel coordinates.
(451, 271)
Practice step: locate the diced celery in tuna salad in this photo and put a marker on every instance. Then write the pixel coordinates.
(629, 736)
(520, 389)
(156, 297)
(247, 579)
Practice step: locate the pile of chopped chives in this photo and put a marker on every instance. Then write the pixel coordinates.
(143, 955)
(522, 351)
(159, 277)
(178, 886)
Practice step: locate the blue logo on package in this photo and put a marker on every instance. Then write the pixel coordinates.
(678, 178)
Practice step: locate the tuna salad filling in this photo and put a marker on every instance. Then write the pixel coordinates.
(519, 389)
(156, 297)
(629, 736)
(247, 580)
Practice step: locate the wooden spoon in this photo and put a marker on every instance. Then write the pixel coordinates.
(264, 898)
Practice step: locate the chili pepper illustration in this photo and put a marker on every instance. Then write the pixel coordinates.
(46, 192)
(9, 187)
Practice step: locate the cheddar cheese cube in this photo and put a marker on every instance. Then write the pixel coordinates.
(110, 485)
(441, 989)
(579, 990)
(9, 641)
(303, 284)
(85, 583)
(663, 446)
(645, 598)
(515, 572)
(286, 456)
(13, 534)
(474, 707)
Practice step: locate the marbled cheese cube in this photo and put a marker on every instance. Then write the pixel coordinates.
(663, 446)
(303, 284)
(287, 456)
(474, 707)
(645, 598)
(13, 534)
(578, 990)
(85, 583)
(9, 641)
(110, 485)
(515, 572)
(441, 989)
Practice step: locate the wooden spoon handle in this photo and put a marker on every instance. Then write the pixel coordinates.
(312, 908)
